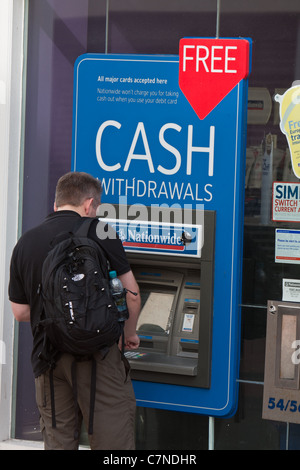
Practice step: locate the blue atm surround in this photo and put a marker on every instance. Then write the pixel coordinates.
(134, 130)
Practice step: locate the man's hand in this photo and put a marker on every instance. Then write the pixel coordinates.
(130, 343)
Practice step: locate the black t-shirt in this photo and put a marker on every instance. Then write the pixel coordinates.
(27, 261)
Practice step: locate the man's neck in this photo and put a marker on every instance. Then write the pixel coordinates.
(68, 207)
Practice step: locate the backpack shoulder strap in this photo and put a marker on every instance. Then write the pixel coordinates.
(82, 231)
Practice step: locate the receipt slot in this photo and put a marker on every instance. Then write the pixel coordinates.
(175, 324)
(282, 370)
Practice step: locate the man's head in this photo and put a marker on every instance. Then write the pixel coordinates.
(78, 191)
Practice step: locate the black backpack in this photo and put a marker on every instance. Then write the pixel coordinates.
(79, 315)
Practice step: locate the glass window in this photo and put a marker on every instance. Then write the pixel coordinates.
(246, 430)
(164, 429)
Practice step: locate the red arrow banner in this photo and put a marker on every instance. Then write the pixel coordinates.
(209, 69)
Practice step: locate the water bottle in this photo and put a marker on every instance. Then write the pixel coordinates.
(119, 295)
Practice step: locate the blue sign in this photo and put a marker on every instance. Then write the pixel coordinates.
(134, 129)
(159, 237)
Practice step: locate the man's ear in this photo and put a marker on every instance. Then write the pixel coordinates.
(55, 207)
(87, 205)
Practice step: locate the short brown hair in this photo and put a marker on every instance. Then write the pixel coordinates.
(75, 187)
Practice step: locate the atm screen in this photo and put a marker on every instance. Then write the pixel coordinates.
(157, 310)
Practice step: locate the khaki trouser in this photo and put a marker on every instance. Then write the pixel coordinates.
(114, 412)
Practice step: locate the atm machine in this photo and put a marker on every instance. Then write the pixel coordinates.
(163, 154)
(175, 323)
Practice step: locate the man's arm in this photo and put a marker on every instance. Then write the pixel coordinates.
(132, 340)
(21, 311)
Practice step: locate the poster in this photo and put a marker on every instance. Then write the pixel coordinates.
(286, 202)
(289, 112)
(287, 246)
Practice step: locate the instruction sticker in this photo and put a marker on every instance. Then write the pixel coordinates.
(188, 322)
(291, 290)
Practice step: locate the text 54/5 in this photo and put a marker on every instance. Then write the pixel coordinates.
(284, 405)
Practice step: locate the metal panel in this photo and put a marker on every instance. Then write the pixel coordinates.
(281, 385)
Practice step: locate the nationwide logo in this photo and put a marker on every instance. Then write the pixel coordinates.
(145, 238)
(159, 237)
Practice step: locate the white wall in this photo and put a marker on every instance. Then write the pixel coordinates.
(11, 69)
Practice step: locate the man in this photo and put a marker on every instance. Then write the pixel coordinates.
(77, 195)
